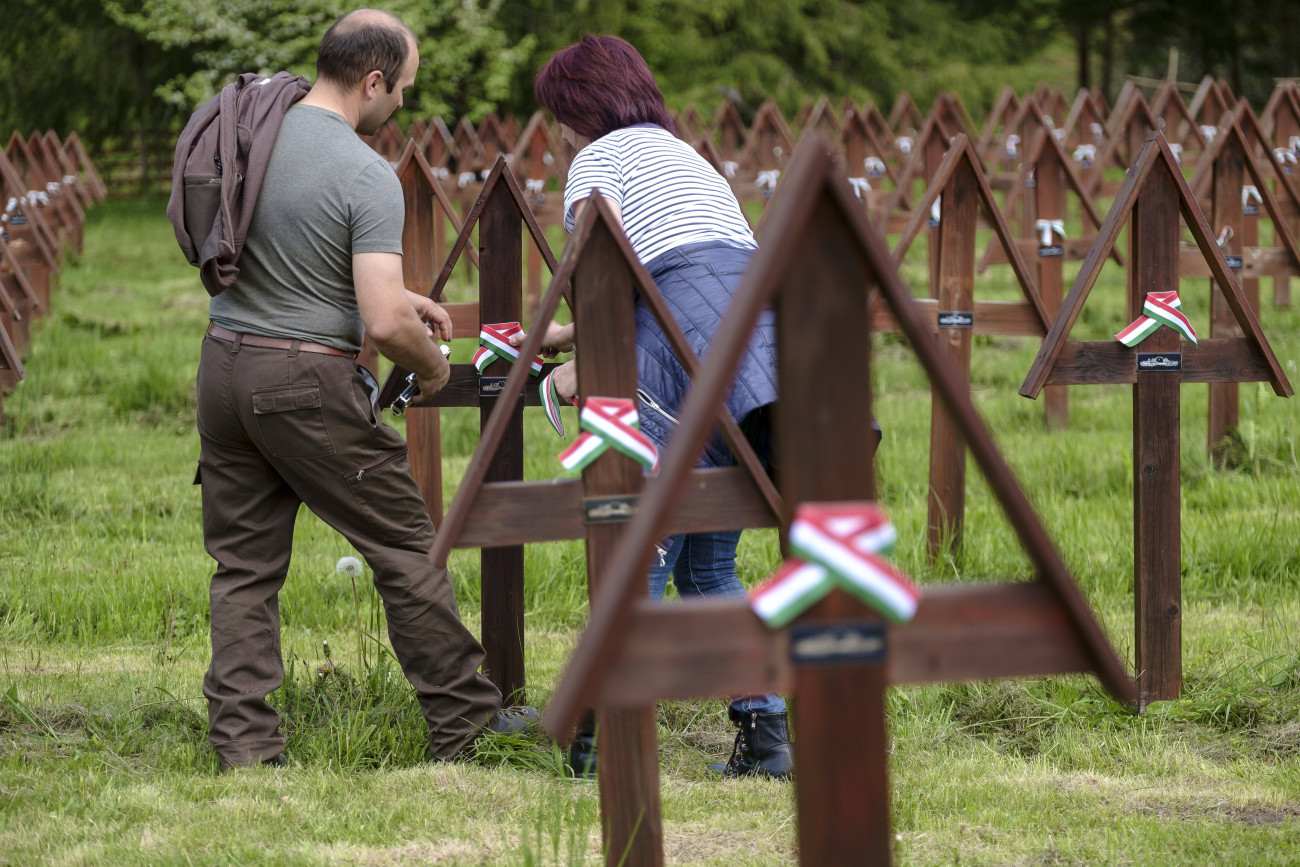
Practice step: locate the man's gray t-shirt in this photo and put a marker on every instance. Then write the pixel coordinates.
(326, 195)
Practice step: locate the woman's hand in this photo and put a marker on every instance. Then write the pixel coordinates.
(559, 338)
(565, 379)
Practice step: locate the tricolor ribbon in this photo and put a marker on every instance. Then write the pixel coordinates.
(1250, 193)
(1046, 228)
(551, 403)
(609, 422)
(1161, 308)
(1284, 157)
(838, 545)
(494, 343)
(861, 186)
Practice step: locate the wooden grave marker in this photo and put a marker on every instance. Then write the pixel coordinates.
(85, 167)
(730, 130)
(22, 302)
(1126, 130)
(1154, 195)
(30, 247)
(533, 162)
(600, 265)
(634, 652)
(905, 118)
(500, 215)
(1234, 208)
(767, 149)
(1208, 103)
(953, 315)
(998, 123)
(865, 152)
(1046, 176)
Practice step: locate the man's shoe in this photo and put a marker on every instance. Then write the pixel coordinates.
(762, 747)
(513, 720)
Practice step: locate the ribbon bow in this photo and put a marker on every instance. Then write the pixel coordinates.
(875, 167)
(1010, 150)
(1161, 308)
(606, 422)
(1177, 150)
(1250, 193)
(1097, 131)
(1046, 228)
(534, 185)
(861, 186)
(935, 209)
(767, 180)
(465, 179)
(1295, 143)
(729, 168)
(1284, 156)
(841, 545)
(1058, 133)
(904, 144)
(1208, 132)
(494, 343)
(1085, 153)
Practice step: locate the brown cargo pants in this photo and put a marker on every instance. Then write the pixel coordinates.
(283, 427)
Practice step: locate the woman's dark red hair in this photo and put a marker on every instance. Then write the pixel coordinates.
(600, 84)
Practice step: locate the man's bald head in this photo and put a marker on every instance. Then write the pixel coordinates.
(360, 42)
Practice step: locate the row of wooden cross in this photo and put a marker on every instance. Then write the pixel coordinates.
(45, 187)
(822, 253)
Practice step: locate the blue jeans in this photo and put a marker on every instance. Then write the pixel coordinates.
(704, 564)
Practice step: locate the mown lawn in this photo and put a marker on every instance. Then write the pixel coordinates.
(103, 751)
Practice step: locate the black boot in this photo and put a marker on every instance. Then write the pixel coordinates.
(762, 747)
(581, 760)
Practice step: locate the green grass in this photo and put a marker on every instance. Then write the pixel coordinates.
(103, 619)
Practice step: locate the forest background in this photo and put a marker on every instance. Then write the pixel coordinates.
(131, 70)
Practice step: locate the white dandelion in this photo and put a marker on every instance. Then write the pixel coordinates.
(349, 566)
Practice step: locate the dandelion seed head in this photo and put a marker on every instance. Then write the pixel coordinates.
(349, 566)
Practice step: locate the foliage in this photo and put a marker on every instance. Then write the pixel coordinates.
(465, 59)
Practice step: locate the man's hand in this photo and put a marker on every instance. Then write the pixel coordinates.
(432, 314)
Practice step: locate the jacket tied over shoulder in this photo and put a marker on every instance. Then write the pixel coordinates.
(221, 158)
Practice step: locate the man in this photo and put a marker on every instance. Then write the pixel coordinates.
(286, 417)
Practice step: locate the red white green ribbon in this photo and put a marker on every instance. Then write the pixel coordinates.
(494, 343)
(841, 545)
(609, 422)
(551, 403)
(1161, 308)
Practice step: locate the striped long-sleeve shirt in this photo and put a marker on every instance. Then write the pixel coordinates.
(668, 193)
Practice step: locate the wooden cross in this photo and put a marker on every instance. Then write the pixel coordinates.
(813, 271)
(1154, 195)
(1223, 172)
(35, 241)
(600, 266)
(1046, 175)
(85, 167)
(1209, 102)
(499, 214)
(998, 123)
(961, 190)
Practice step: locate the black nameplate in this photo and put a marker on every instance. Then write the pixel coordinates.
(932, 223)
(1030, 181)
(1053, 250)
(1234, 262)
(1249, 210)
(842, 642)
(608, 510)
(956, 319)
(1160, 361)
(491, 386)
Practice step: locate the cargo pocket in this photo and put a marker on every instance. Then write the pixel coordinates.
(389, 497)
(290, 421)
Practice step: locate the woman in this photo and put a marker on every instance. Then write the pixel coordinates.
(686, 227)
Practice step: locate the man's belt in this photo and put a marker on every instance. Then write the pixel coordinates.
(226, 334)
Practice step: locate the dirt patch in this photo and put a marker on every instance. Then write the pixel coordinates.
(1249, 815)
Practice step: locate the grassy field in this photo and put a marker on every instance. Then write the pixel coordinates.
(103, 642)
